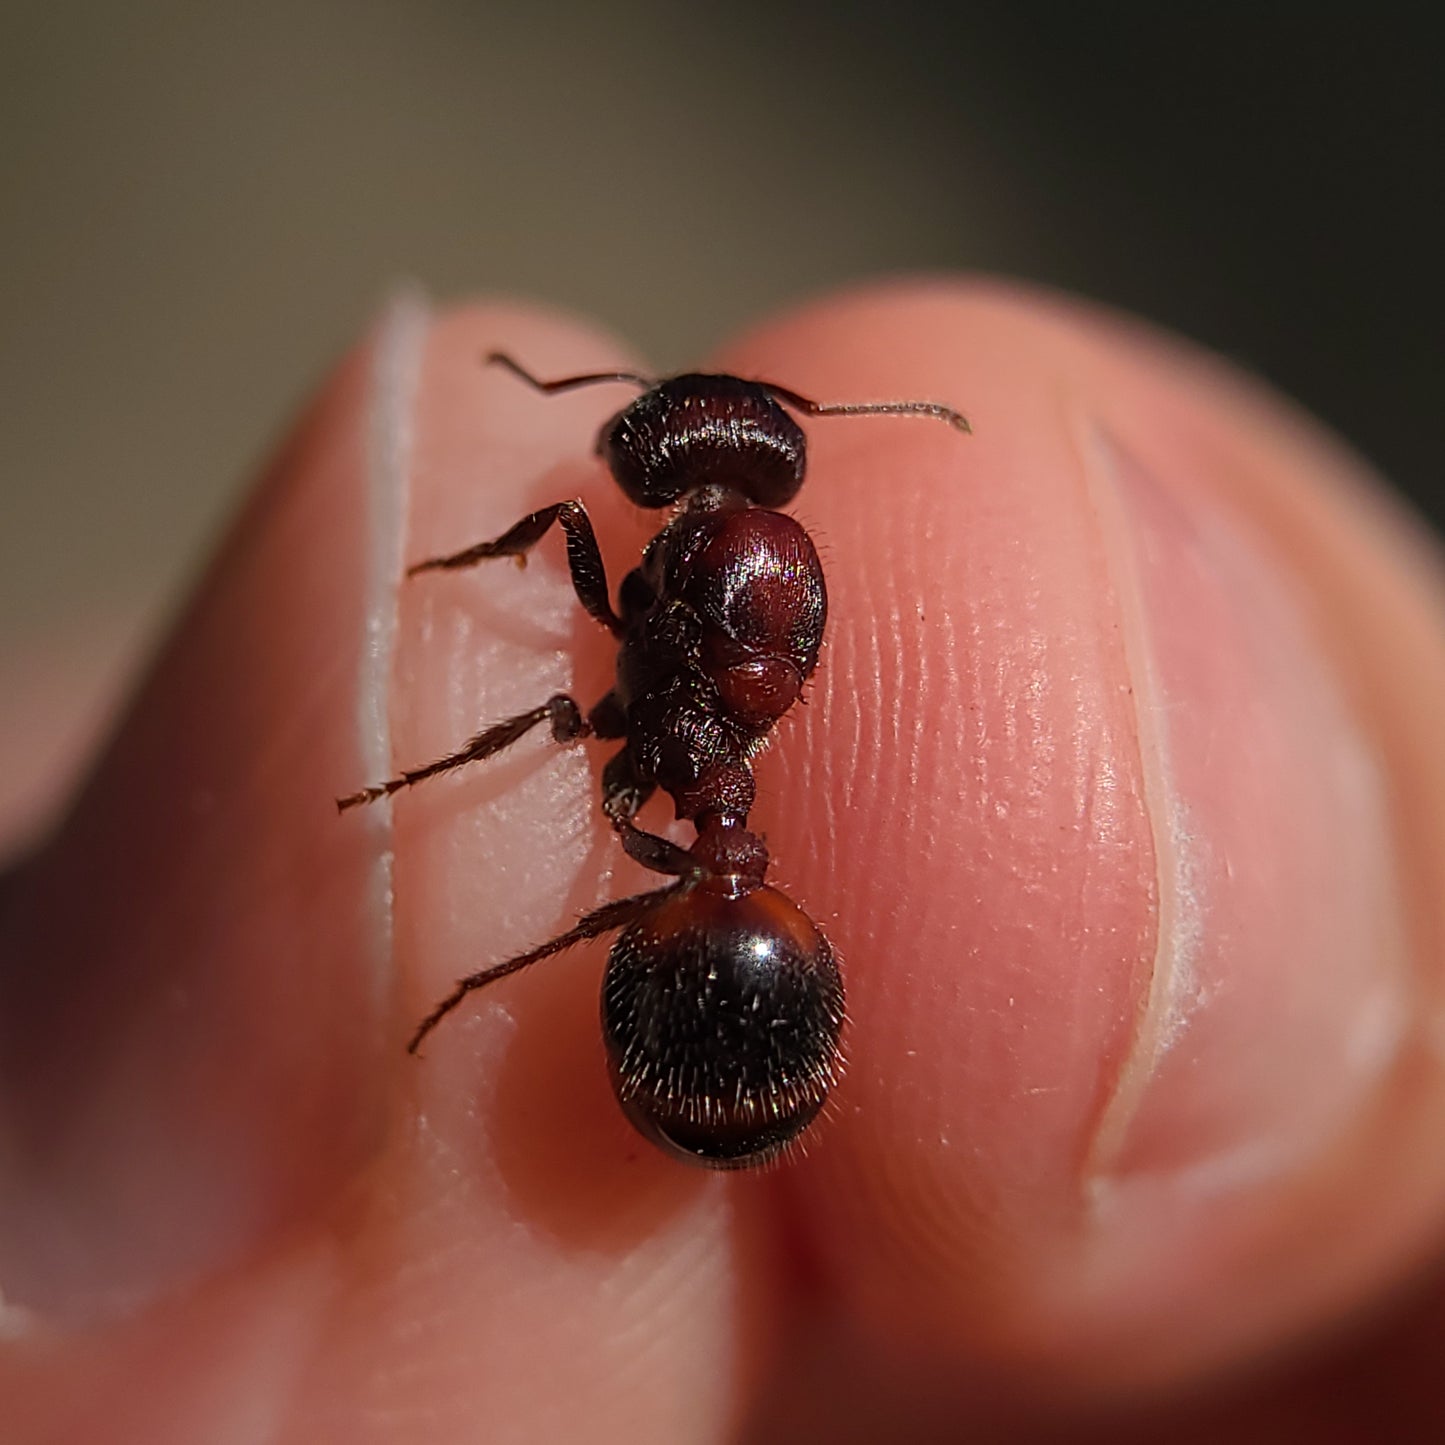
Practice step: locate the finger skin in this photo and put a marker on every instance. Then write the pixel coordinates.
(197, 953)
(1143, 1005)
(564, 1277)
(1126, 1099)
(559, 1279)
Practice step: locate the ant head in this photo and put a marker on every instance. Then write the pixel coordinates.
(721, 1015)
(696, 431)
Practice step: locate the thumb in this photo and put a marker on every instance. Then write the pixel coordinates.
(192, 984)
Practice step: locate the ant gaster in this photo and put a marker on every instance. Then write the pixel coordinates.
(722, 1003)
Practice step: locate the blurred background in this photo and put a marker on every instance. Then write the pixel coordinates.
(203, 203)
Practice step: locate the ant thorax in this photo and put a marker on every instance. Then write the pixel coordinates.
(724, 621)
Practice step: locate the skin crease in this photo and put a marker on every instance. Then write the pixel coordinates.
(1145, 1062)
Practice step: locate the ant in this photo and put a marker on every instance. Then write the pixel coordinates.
(722, 1003)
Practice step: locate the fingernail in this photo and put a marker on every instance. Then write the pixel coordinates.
(1280, 986)
(195, 970)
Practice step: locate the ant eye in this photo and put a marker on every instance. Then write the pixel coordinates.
(721, 1018)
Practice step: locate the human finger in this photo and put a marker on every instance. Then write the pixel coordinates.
(1118, 790)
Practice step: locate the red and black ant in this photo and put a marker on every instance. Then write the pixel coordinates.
(722, 1004)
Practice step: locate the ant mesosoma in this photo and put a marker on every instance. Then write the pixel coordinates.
(722, 1003)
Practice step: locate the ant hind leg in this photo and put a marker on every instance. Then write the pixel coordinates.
(607, 919)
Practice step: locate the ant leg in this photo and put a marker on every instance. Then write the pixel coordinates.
(623, 793)
(608, 719)
(584, 557)
(561, 711)
(660, 854)
(567, 383)
(867, 408)
(606, 919)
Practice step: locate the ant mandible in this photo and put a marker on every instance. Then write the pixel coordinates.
(722, 1003)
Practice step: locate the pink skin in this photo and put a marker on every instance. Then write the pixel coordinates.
(1118, 790)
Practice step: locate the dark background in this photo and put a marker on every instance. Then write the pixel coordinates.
(203, 203)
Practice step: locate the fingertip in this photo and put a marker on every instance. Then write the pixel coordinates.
(561, 1249)
(228, 1012)
(957, 801)
(1088, 800)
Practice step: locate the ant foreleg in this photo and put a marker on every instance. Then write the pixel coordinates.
(607, 919)
(584, 557)
(561, 711)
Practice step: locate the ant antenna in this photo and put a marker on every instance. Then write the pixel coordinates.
(868, 408)
(800, 403)
(567, 383)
